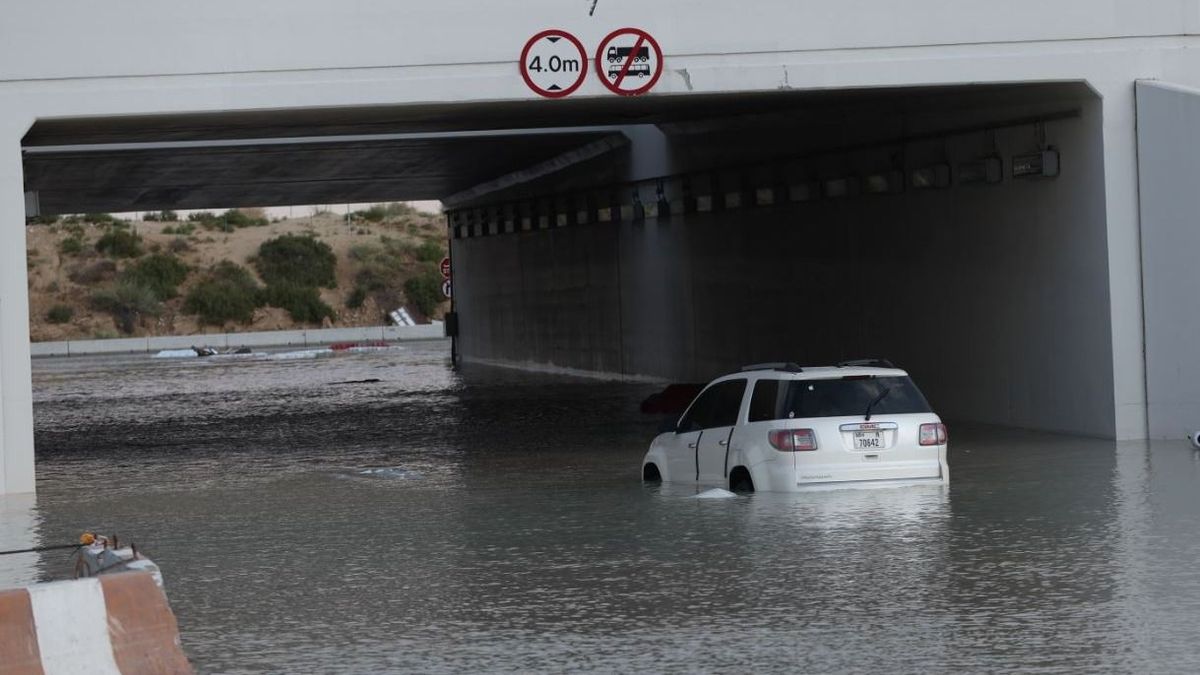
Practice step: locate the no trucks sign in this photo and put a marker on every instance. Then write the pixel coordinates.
(629, 61)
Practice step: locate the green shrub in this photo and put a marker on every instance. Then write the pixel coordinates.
(227, 293)
(303, 303)
(60, 314)
(293, 260)
(200, 216)
(120, 244)
(75, 228)
(425, 291)
(357, 297)
(99, 218)
(128, 302)
(179, 245)
(181, 229)
(42, 220)
(161, 273)
(86, 275)
(239, 218)
(430, 251)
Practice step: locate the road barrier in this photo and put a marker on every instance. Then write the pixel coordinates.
(115, 623)
(281, 338)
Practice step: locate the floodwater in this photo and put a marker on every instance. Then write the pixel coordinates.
(493, 521)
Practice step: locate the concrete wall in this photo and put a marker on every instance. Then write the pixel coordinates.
(1169, 157)
(295, 35)
(995, 297)
(281, 338)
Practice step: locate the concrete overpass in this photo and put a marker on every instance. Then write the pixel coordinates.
(800, 183)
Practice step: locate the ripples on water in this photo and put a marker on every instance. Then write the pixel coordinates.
(492, 521)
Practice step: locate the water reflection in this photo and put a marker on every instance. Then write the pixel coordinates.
(493, 521)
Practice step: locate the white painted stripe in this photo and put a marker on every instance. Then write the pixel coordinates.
(72, 628)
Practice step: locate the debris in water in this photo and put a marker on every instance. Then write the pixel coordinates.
(715, 493)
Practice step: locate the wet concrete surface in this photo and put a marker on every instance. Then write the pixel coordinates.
(487, 520)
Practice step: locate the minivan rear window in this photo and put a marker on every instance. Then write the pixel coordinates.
(784, 399)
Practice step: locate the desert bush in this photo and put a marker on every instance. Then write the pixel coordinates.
(42, 220)
(244, 218)
(161, 273)
(303, 303)
(292, 260)
(72, 245)
(100, 218)
(227, 293)
(374, 214)
(425, 291)
(357, 297)
(128, 302)
(74, 228)
(430, 251)
(60, 314)
(180, 229)
(120, 244)
(96, 272)
(179, 245)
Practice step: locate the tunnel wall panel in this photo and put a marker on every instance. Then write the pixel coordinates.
(994, 297)
(1169, 163)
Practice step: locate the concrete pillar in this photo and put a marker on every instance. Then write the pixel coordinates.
(16, 392)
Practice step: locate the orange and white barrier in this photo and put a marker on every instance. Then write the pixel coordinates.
(114, 623)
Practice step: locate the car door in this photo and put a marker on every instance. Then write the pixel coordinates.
(682, 459)
(721, 418)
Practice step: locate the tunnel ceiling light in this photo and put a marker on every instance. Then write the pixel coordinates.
(803, 192)
(1044, 164)
(884, 183)
(935, 176)
(836, 188)
(986, 170)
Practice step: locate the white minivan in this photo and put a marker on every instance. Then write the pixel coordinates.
(779, 427)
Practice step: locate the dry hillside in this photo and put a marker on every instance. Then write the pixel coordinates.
(74, 273)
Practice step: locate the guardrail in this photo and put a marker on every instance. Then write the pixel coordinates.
(283, 338)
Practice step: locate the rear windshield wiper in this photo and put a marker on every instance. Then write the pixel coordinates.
(882, 395)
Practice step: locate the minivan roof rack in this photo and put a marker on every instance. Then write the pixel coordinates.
(867, 363)
(777, 365)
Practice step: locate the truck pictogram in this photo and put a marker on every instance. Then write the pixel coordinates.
(619, 54)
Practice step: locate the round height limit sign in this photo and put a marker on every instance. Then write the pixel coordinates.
(553, 63)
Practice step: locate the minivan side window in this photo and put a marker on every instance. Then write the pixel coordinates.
(765, 401)
(716, 406)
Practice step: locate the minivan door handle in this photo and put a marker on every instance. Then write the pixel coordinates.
(723, 443)
(691, 445)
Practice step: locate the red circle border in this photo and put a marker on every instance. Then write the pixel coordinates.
(529, 81)
(604, 78)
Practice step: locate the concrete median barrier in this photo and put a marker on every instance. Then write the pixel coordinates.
(117, 623)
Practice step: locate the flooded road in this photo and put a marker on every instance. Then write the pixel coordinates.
(493, 521)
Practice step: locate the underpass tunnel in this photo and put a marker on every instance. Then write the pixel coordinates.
(680, 237)
(931, 227)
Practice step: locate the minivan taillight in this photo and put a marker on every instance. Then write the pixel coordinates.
(792, 440)
(933, 434)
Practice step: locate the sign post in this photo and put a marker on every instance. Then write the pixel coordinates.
(553, 63)
(629, 62)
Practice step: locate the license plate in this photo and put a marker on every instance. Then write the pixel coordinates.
(868, 440)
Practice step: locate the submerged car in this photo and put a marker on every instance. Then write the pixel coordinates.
(780, 427)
